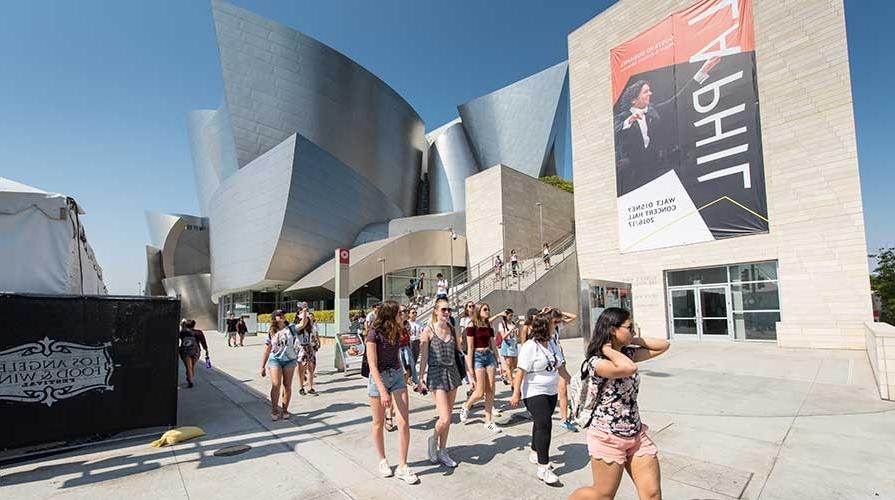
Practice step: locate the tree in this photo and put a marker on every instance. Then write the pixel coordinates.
(558, 182)
(882, 281)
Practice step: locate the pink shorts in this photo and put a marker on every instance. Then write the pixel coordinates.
(612, 448)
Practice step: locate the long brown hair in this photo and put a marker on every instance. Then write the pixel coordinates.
(463, 313)
(273, 328)
(477, 315)
(387, 321)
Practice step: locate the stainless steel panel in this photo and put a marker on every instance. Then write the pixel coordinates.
(154, 274)
(280, 82)
(213, 151)
(195, 298)
(283, 214)
(450, 163)
(515, 126)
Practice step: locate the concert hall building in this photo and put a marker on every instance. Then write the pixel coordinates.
(717, 189)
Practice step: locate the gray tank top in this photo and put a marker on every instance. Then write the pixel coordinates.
(441, 353)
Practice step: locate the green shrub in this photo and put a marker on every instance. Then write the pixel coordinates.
(322, 316)
(558, 182)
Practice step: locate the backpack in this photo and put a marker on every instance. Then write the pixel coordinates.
(582, 402)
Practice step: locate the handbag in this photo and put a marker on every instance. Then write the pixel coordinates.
(365, 367)
(460, 361)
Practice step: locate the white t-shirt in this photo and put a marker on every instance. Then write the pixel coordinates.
(415, 330)
(441, 287)
(534, 359)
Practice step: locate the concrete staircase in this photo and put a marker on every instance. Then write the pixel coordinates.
(483, 279)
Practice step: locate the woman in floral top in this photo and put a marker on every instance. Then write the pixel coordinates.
(617, 440)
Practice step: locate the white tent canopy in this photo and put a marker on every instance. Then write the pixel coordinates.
(43, 247)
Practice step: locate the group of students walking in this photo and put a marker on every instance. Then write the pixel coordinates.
(532, 356)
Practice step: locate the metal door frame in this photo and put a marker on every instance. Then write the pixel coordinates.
(699, 318)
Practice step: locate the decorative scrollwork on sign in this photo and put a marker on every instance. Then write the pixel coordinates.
(48, 371)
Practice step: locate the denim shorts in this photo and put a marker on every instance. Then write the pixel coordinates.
(483, 359)
(392, 379)
(283, 363)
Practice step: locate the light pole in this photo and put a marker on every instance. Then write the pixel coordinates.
(140, 288)
(381, 261)
(540, 221)
(451, 270)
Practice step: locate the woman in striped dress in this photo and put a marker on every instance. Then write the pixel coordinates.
(439, 373)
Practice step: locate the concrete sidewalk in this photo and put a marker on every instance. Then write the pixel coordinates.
(731, 421)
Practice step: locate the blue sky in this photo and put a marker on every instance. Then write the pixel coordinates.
(94, 94)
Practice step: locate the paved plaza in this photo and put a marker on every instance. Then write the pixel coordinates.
(731, 421)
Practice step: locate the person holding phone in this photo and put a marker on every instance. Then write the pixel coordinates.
(279, 359)
(439, 373)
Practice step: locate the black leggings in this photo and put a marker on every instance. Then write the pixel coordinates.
(541, 408)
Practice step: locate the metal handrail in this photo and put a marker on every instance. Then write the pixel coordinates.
(463, 289)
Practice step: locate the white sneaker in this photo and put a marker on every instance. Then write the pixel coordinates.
(433, 449)
(404, 473)
(446, 459)
(384, 469)
(545, 473)
(496, 411)
(493, 428)
(464, 414)
(533, 457)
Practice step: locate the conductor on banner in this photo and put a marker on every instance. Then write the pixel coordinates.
(645, 132)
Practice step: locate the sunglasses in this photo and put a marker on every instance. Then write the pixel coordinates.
(446, 309)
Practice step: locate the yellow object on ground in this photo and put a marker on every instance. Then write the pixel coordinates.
(177, 435)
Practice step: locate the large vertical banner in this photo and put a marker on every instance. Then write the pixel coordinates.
(688, 151)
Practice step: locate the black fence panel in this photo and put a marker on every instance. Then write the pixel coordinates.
(75, 366)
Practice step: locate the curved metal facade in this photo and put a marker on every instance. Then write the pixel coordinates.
(450, 162)
(154, 273)
(280, 82)
(194, 292)
(310, 151)
(159, 226)
(213, 150)
(186, 247)
(516, 125)
(284, 213)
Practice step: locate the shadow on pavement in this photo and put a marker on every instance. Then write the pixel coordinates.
(574, 456)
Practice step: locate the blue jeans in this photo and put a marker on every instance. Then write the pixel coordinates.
(392, 379)
(407, 359)
(483, 359)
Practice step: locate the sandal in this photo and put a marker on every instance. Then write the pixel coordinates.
(312, 392)
(275, 415)
(285, 413)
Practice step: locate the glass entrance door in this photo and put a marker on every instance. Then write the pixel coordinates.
(700, 312)
(684, 316)
(713, 318)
